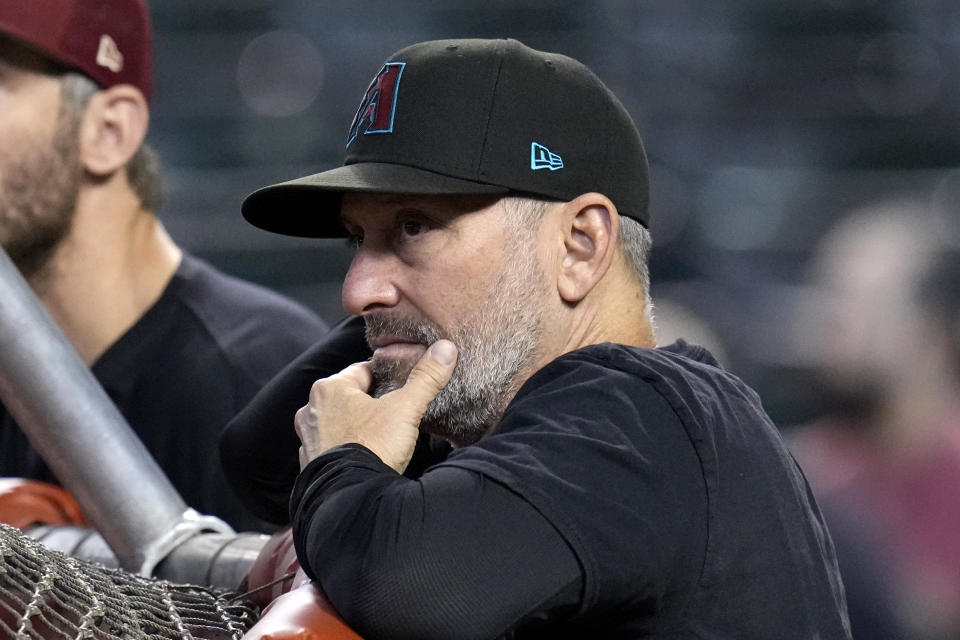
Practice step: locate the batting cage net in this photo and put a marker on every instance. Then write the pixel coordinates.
(45, 594)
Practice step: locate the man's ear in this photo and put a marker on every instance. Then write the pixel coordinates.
(113, 128)
(590, 227)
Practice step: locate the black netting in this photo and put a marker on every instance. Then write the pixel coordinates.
(45, 594)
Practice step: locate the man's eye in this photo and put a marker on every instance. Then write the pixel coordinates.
(412, 227)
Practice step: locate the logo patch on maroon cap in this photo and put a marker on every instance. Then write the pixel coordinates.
(108, 54)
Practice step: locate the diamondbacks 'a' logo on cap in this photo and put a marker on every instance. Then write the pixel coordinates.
(543, 158)
(108, 54)
(376, 112)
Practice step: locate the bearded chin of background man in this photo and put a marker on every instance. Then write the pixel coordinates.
(38, 193)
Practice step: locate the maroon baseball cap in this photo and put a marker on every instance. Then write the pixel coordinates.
(107, 40)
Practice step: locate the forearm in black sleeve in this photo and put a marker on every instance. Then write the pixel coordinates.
(451, 555)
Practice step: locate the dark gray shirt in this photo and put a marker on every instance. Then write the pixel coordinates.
(187, 366)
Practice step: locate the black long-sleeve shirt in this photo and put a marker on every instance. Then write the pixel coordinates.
(434, 566)
(626, 493)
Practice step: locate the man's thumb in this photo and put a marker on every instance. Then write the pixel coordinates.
(431, 373)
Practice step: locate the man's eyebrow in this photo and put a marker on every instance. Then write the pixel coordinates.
(393, 200)
(438, 205)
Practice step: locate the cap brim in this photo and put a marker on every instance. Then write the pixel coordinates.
(310, 206)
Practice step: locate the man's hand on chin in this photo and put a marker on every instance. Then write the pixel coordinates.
(341, 411)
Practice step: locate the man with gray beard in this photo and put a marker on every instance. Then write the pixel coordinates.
(496, 341)
(598, 485)
(178, 346)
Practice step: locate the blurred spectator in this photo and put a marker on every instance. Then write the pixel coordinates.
(885, 459)
(675, 320)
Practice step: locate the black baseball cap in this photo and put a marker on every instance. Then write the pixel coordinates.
(472, 117)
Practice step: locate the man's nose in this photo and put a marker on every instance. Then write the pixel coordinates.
(369, 283)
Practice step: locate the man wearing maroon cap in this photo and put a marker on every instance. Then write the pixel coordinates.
(177, 345)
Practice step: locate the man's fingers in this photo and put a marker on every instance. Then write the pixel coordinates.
(300, 423)
(340, 410)
(356, 376)
(430, 374)
(358, 373)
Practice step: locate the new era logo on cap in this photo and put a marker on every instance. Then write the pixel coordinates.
(543, 158)
(108, 54)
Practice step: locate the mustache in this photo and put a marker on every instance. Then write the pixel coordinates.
(410, 329)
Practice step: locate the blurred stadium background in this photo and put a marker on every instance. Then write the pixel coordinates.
(764, 121)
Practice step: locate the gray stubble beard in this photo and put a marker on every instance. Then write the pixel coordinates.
(497, 347)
